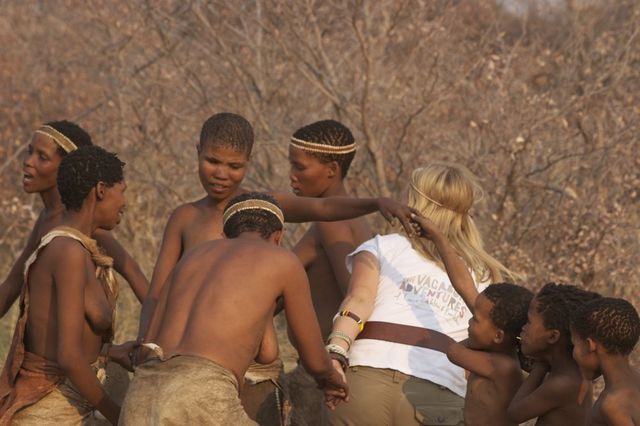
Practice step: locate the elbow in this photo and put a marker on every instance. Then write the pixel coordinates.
(514, 414)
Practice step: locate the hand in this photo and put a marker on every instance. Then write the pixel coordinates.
(123, 354)
(393, 211)
(335, 387)
(424, 227)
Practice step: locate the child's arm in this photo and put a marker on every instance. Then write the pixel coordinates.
(477, 362)
(538, 396)
(168, 257)
(308, 209)
(456, 269)
(123, 263)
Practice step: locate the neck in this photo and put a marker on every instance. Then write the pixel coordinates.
(559, 358)
(616, 369)
(250, 236)
(82, 220)
(51, 200)
(335, 189)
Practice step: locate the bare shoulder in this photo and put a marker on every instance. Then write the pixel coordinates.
(184, 213)
(66, 251)
(562, 386)
(620, 406)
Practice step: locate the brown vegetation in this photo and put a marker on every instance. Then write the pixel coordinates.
(544, 108)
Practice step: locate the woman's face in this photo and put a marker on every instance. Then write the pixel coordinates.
(221, 170)
(40, 164)
(308, 176)
(111, 206)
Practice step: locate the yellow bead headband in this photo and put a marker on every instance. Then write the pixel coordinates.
(62, 141)
(253, 205)
(322, 148)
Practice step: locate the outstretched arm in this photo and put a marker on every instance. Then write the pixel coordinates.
(478, 362)
(123, 263)
(170, 252)
(456, 269)
(327, 209)
(72, 267)
(538, 396)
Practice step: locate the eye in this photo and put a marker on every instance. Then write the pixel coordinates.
(43, 157)
(236, 166)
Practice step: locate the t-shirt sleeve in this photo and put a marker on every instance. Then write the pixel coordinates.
(372, 246)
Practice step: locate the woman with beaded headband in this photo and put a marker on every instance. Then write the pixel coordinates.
(55, 370)
(399, 285)
(48, 146)
(320, 155)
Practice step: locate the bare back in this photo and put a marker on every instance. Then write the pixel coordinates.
(618, 403)
(328, 244)
(220, 297)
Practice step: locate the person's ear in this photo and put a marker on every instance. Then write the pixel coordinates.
(553, 336)
(498, 337)
(592, 344)
(100, 189)
(278, 237)
(334, 168)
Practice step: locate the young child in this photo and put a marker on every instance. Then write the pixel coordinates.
(604, 333)
(490, 354)
(226, 141)
(554, 392)
(320, 155)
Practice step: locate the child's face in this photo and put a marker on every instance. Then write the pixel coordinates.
(309, 177)
(534, 336)
(482, 330)
(221, 170)
(585, 356)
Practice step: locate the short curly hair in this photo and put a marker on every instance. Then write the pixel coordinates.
(82, 169)
(253, 220)
(557, 302)
(510, 306)
(332, 133)
(228, 129)
(74, 132)
(612, 322)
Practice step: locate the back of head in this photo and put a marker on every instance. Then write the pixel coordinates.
(510, 306)
(82, 169)
(614, 323)
(252, 212)
(327, 140)
(76, 134)
(444, 193)
(228, 130)
(557, 302)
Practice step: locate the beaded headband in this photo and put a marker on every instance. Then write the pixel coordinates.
(253, 205)
(62, 141)
(322, 148)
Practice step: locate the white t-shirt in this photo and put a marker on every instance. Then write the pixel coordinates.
(415, 291)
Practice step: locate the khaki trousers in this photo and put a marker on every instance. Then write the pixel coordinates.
(389, 398)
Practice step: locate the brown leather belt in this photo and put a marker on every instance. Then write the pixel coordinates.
(406, 335)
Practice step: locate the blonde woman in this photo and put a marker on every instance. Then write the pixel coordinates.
(399, 288)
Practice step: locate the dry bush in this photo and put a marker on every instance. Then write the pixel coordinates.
(543, 107)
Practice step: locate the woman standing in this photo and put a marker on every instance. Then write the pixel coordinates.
(62, 339)
(399, 287)
(48, 146)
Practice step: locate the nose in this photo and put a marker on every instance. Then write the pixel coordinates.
(27, 159)
(220, 172)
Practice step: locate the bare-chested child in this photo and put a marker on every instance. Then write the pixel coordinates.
(214, 317)
(554, 391)
(224, 150)
(604, 333)
(320, 155)
(490, 354)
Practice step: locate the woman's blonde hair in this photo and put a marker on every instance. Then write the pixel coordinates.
(444, 193)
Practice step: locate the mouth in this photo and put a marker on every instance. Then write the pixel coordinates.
(27, 177)
(216, 187)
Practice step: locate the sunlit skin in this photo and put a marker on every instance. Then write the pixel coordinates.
(221, 170)
(40, 163)
(325, 245)
(554, 391)
(68, 306)
(618, 402)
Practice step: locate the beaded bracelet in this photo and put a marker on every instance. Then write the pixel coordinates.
(347, 313)
(342, 336)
